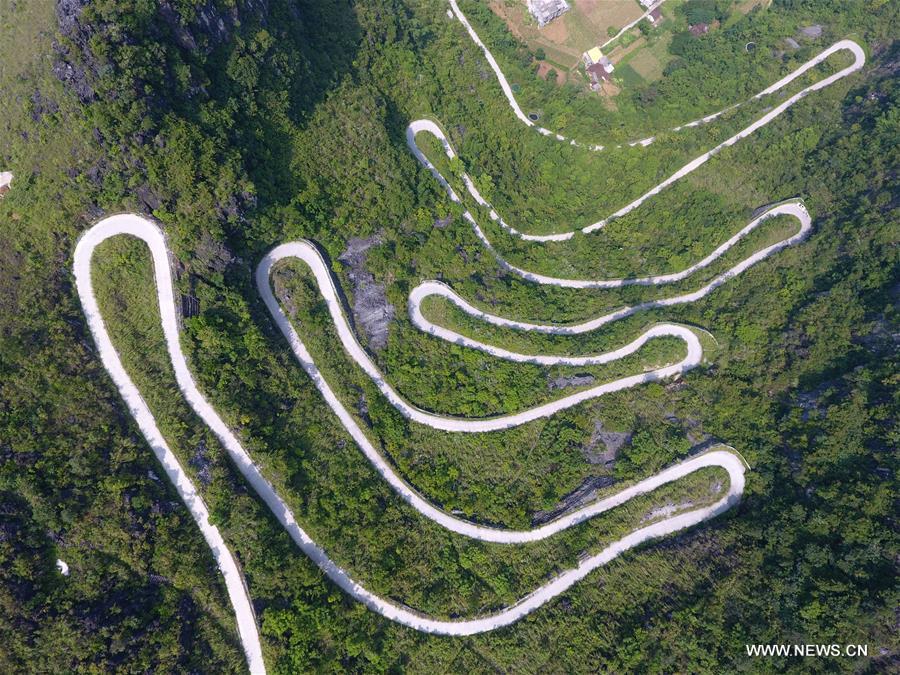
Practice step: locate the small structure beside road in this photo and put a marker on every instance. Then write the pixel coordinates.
(5, 179)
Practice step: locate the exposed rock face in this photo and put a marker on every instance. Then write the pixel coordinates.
(810, 403)
(201, 31)
(183, 36)
(201, 462)
(666, 510)
(211, 25)
(572, 381)
(72, 72)
(74, 77)
(612, 442)
(582, 495)
(212, 254)
(68, 13)
(813, 31)
(41, 105)
(372, 312)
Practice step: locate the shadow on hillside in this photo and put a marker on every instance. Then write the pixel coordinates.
(298, 49)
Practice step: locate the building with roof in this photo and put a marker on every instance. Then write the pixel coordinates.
(594, 56)
(654, 15)
(547, 10)
(598, 67)
(598, 75)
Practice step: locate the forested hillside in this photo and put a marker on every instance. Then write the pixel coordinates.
(242, 124)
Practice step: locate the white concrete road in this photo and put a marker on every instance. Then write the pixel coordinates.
(857, 51)
(137, 226)
(632, 24)
(147, 231)
(428, 126)
(426, 289)
(307, 253)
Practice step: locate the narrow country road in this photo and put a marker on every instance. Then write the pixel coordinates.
(418, 126)
(793, 208)
(632, 24)
(147, 231)
(858, 53)
(308, 253)
(139, 227)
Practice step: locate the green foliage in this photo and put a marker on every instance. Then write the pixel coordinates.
(290, 124)
(681, 45)
(705, 11)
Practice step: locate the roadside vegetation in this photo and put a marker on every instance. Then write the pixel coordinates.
(289, 123)
(372, 543)
(665, 76)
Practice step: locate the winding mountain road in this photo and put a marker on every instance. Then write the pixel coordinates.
(428, 126)
(147, 231)
(143, 229)
(854, 48)
(310, 255)
(793, 208)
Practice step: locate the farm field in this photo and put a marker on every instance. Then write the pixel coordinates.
(648, 60)
(566, 38)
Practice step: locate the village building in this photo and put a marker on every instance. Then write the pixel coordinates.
(546, 10)
(5, 179)
(598, 67)
(654, 15)
(598, 75)
(646, 3)
(594, 56)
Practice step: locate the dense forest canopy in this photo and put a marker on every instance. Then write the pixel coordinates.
(240, 124)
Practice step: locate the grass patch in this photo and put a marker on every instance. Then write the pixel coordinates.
(650, 61)
(629, 76)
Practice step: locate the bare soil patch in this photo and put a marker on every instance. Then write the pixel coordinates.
(566, 38)
(544, 69)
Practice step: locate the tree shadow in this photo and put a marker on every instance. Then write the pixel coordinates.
(272, 73)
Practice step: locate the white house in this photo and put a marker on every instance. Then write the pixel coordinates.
(547, 10)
